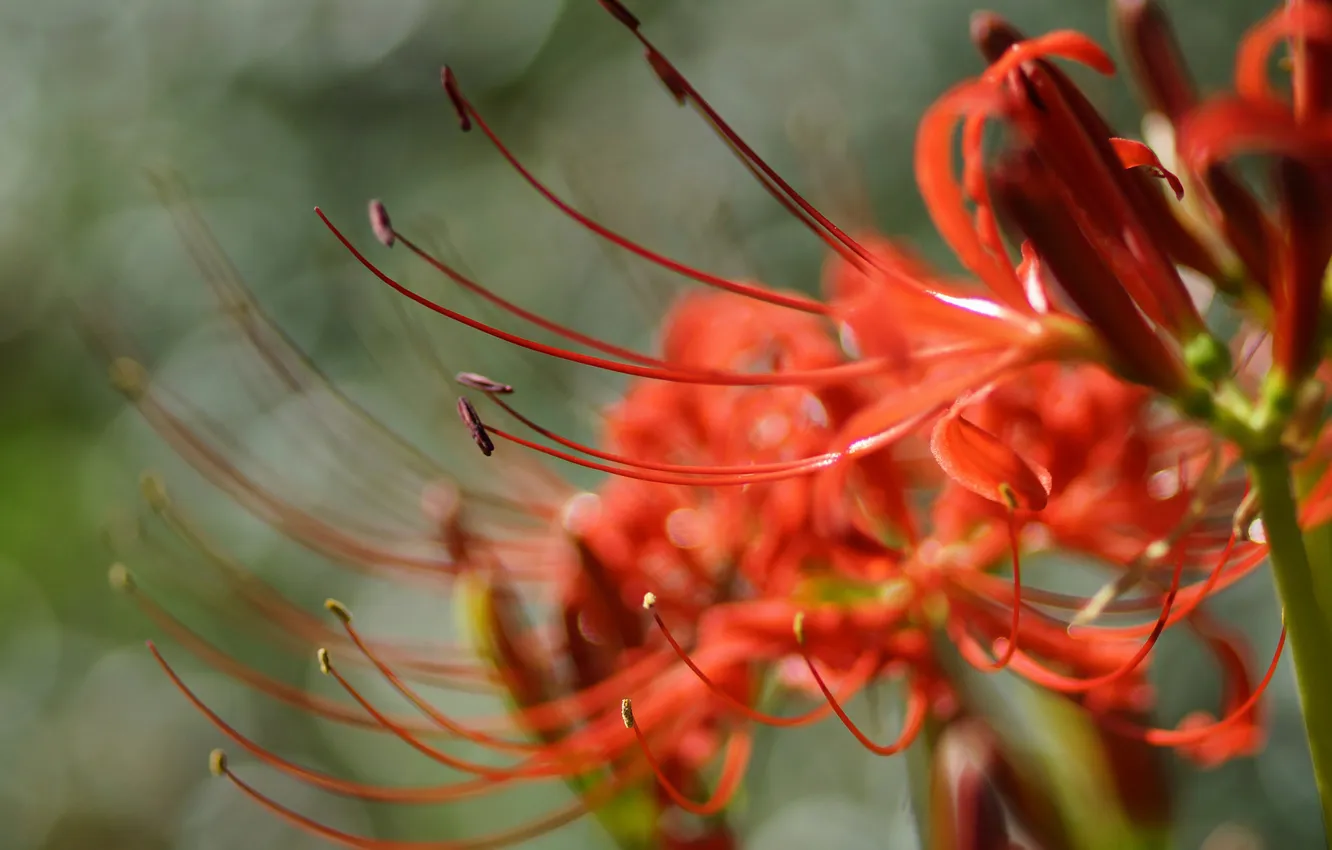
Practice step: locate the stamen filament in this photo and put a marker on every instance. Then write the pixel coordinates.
(347, 788)
(738, 748)
(1180, 737)
(532, 829)
(1072, 685)
(439, 718)
(795, 302)
(683, 91)
(527, 315)
(916, 710)
(804, 377)
(855, 679)
(1011, 644)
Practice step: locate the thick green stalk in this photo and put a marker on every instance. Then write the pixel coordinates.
(1306, 602)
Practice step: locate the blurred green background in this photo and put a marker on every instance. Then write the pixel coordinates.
(267, 108)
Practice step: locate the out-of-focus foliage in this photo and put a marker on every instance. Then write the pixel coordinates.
(267, 108)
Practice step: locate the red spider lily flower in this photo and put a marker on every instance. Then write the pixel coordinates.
(1119, 493)
(742, 583)
(1286, 251)
(761, 522)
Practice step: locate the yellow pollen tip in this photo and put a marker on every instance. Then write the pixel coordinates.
(217, 762)
(649, 600)
(128, 377)
(337, 609)
(798, 627)
(153, 488)
(1008, 496)
(627, 713)
(1156, 551)
(120, 578)
(322, 655)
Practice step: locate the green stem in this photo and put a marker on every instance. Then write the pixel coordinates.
(1306, 601)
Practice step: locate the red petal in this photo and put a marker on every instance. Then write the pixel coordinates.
(1228, 127)
(1137, 155)
(1306, 24)
(1065, 44)
(976, 459)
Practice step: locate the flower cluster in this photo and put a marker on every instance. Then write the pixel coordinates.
(811, 496)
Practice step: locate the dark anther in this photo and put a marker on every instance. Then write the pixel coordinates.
(623, 15)
(483, 384)
(451, 89)
(670, 77)
(380, 224)
(474, 424)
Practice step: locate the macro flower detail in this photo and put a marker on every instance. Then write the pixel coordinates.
(801, 498)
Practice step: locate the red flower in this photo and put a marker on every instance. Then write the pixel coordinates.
(1285, 256)
(766, 469)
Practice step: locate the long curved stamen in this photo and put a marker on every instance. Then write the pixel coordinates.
(217, 659)
(655, 466)
(296, 626)
(802, 377)
(1197, 594)
(278, 351)
(584, 751)
(1072, 685)
(683, 91)
(1011, 645)
(544, 767)
(916, 710)
(809, 466)
(346, 788)
(795, 302)
(741, 473)
(526, 315)
(302, 525)
(439, 718)
(567, 814)
(1181, 737)
(738, 748)
(855, 679)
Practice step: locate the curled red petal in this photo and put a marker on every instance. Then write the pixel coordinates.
(1064, 44)
(1307, 24)
(980, 462)
(1228, 127)
(1137, 155)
